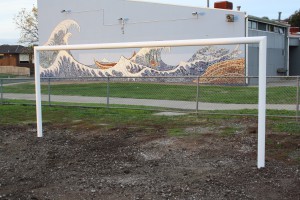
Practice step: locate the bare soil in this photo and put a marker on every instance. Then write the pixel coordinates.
(137, 163)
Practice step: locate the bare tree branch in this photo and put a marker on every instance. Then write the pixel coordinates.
(27, 23)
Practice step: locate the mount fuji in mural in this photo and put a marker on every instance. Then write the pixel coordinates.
(207, 61)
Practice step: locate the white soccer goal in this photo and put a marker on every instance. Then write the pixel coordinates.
(262, 41)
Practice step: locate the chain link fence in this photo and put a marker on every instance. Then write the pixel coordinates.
(226, 95)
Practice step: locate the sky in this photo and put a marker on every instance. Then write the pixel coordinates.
(260, 8)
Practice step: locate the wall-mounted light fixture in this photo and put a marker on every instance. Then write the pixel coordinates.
(198, 13)
(65, 11)
(121, 19)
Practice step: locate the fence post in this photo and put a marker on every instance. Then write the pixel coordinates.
(49, 91)
(197, 97)
(108, 92)
(298, 99)
(1, 90)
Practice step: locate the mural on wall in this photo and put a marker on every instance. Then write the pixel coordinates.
(206, 62)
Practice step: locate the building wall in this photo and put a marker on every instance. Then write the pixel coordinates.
(14, 61)
(99, 21)
(276, 53)
(9, 60)
(126, 21)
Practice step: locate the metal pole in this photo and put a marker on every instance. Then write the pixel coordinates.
(170, 43)
(298, 99)
(1, 90)
(262, 40)
(108, 92)
(38, 98)
(262, 103)
(197, 97)
(49, 91)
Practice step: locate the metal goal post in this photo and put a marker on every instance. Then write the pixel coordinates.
(262, 41)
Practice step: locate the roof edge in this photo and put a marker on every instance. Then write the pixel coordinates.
(259, 19)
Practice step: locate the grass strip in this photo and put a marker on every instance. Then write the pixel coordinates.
(213, 94)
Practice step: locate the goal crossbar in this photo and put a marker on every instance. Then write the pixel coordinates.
(262, 41)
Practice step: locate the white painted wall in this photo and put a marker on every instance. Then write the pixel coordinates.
(99, 23)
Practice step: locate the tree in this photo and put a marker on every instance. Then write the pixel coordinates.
(27, 23)
(294, 19)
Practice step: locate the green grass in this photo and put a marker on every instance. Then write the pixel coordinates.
(16, 114)
(176, 132)
(99, 118)
(252, 112)
(86, 105)
(122, 90)
(214, 94)
(289, 127)
(7, 76)
(228, 131)
(248, 112)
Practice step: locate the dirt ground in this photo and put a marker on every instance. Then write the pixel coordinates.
(137, 163)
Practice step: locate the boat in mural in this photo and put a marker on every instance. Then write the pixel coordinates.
(146, 62)
(105, 64)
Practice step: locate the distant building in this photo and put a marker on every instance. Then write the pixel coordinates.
(277, 44)
(16, 56)
(113, 21)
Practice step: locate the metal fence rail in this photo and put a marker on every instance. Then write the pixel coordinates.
(226, 95)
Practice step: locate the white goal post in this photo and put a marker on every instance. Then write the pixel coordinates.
(262, 41)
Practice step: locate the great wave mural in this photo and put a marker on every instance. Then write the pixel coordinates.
(211, 61)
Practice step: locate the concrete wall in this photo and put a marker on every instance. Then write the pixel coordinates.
(14, 70)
